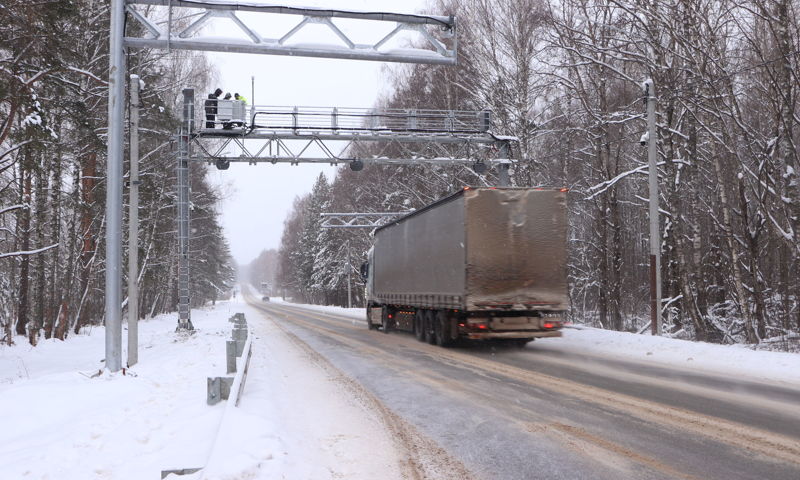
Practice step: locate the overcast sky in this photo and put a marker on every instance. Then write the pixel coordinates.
(259, 197)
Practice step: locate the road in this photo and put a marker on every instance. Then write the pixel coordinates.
(539, 413)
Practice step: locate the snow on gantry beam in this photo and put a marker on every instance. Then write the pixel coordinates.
(306, 11)
(187, 17)
(339, 160)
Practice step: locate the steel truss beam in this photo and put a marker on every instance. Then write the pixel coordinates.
(358, 220)
(311, 149)
(328, 135)
(180, 34)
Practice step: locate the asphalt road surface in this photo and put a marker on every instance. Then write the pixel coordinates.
(492, 412)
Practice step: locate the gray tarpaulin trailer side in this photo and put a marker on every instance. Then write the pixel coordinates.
(481, 263)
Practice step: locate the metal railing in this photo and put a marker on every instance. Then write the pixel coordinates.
(333, 120)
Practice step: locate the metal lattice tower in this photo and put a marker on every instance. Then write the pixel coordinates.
(184, 312)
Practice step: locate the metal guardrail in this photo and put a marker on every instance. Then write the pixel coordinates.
(227, 388)
(230, 388)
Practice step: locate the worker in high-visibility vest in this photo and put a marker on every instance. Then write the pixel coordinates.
(241, 98)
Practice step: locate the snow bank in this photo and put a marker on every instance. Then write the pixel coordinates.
(60, 423)
(732, 360)
(294, 419)
(355, 313)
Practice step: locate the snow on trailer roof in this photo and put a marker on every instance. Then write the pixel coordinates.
(456, 194)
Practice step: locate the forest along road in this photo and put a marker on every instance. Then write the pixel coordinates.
(508, 413)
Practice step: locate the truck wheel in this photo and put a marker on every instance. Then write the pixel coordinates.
(386, 321)
(427, 324)
(370, 325)
(419, 325)
(442, 329)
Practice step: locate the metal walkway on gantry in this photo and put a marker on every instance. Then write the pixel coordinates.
(280, 134)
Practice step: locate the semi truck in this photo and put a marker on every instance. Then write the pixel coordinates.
(483, 263)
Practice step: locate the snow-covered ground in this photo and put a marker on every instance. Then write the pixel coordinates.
(731, 360)
(298, 418)
(294, 421)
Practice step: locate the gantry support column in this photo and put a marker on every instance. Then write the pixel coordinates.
(187, 127)
(133, 229)
(503, 179)
(116, 114)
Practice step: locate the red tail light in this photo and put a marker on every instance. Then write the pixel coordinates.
(548, 325)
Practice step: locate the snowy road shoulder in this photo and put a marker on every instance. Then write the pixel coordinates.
(64, 424)
(737, 361)
(296, 421)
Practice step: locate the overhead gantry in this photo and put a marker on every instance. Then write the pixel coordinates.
(276, 134)
(359, 220)
(165, 30)
(177, 25)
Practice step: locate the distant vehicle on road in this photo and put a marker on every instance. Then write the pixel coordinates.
(483, 263)
(265, 298)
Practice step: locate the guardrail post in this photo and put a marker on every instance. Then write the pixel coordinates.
(230, 356)
(219, 388)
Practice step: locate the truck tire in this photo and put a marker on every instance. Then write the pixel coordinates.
(442, 329)
(370, 325)
(419, 325)
(385, 320)
(427, 324)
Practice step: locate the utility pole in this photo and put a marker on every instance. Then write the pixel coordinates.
(133, 230)
(116, 111)
(655, 237)
(349, 287)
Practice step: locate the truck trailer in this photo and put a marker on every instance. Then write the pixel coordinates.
(480, 264)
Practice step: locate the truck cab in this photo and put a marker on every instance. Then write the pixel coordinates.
(368, 277)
